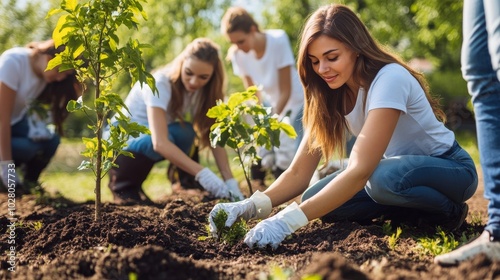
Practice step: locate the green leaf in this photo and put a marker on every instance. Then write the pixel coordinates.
(85, 165)
(60, 32)
(236, 99)
(53, 12)
(69, 4)
(54, 62)
(216, 112)
(288, 129)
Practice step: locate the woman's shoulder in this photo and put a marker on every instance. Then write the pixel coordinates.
(278, 39)
(17, 53)
(394, 71)
(395, 77)
(276, 34)
(393, 67)
(162, 74)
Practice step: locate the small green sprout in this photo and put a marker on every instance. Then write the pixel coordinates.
(439, 244)
(228, 235)
(34, 225)
(393, 239)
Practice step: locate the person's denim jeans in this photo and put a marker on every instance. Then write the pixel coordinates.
(182, 135)
(426, 183)
(481, 70)
(32, 156)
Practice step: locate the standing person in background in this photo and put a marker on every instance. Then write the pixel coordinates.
(177, 118)
(265, 59)
(404, 161)
(481, 70)
(25, 87)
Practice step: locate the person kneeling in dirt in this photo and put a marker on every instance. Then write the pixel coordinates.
(31, 99)
(176, 117)
(404, 159)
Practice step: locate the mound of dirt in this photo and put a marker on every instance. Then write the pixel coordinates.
(60, 240)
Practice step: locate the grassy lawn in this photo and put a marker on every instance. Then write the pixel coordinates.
(63, 177)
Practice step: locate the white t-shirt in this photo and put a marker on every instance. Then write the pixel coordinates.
(418, 132)
(264, 71)
(16, 72)
(139, 98)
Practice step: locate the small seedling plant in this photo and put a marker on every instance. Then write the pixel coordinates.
(242, 124)
(440, 243)
(229, 235)
(88, 30)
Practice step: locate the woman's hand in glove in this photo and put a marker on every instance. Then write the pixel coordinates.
(257, 206)
(213, 184)
(234, 190)
(274, 230)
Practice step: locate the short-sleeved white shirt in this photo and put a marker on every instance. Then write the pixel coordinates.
(16, 72)
(141, 97)
(418, 131)
(264, 70)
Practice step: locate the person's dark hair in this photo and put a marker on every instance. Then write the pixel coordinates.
(207, 51)
(324, 115)
(57, 94)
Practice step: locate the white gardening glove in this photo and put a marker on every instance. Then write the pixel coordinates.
(257, 206)
(234, 190)
(38, 130)
(274, 230)
(213, 184)
(7, 167)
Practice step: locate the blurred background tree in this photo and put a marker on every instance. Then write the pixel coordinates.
(425, 32)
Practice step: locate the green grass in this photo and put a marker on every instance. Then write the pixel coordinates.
(63, 177)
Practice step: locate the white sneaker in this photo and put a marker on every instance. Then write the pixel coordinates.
(481, 245)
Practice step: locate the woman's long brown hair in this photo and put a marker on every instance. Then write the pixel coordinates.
(207, 51)
(57, 94)
(324, 110)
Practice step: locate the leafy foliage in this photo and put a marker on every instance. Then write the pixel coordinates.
(441, 243)
(393, 238)
(229, 235)
(242, 124)
(23, 21)
(417, 28)
(92, 47)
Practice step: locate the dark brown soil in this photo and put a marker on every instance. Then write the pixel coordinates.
(163, 242)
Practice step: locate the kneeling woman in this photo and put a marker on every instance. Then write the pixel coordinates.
(404, 158)
(176, 117)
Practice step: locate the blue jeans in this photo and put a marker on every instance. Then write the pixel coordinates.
(32, 156)
(182, 135)
(423, 183)
(481, 70)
